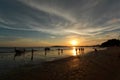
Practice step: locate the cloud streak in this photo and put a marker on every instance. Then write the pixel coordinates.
(56, 17)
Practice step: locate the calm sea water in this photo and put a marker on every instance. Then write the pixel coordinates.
(7, 61)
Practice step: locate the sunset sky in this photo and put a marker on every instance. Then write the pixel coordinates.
(57, 22)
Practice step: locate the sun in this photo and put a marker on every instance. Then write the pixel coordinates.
(74, 42)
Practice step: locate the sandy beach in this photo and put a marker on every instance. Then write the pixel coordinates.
(100, 65)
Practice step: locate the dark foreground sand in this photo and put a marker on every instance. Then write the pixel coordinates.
(101, 65)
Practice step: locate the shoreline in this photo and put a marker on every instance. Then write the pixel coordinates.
(102, 65)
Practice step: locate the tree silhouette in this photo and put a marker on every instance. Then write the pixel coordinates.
(111, 42)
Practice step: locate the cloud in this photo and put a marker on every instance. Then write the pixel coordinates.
(68, 17)
(22, 42)
(53, 37)
(113, 21)
(9, 38)
(52, 10)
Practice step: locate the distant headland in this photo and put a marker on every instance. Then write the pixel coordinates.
(111, 42)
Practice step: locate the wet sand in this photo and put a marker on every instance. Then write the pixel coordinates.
(100, 65)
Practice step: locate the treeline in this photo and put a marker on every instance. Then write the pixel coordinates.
(111, 42)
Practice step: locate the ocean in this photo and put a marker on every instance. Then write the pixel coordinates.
(8, 60)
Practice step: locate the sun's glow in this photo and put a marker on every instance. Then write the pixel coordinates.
(74, 42)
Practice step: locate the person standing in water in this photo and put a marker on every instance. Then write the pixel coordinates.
(76, 51)
(79, 49)
(95, 50)
(82, 50)
(32, 52)
(58, 51)
(45, 51)
(61, 51)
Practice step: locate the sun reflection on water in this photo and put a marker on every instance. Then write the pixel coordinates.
(74, 51)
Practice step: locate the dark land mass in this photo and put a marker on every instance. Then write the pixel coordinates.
(111, 42)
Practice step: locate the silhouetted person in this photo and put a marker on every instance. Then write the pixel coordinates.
(16, 53)
(82, 50)
(19, 53)
(62, 51)
(32, 52)
(24, 50)
(58, 51)
(95, 50)
(76, 51)
(46, 50)
(79, 49)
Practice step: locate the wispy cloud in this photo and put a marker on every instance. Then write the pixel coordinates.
(21, 42)
(56, 17)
